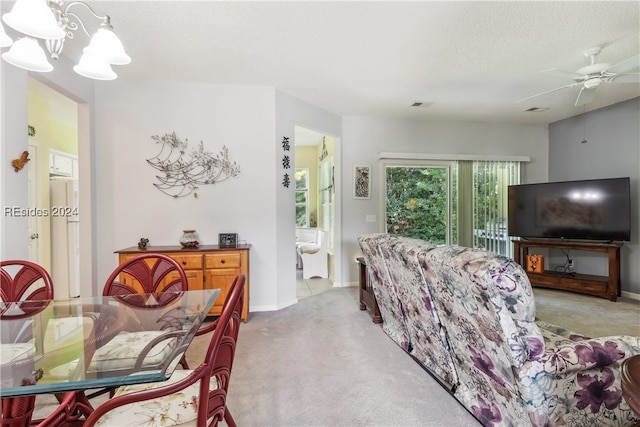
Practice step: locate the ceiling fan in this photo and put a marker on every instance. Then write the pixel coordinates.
(590, 77)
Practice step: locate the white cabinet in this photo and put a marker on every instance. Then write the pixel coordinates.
(63, 164)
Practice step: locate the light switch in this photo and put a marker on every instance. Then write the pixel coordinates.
(370, 218)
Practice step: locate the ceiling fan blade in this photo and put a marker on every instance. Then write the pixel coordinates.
(626, 65)
(564, 73)
(585, 96)
(626, 78)
(549, 91)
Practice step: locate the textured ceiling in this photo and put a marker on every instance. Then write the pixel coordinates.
(466, 61)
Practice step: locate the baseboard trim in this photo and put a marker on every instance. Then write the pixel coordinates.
(344, 284)
(257, 308)
(630, 295)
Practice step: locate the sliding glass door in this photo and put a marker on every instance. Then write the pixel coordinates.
(490, 204)
(418, 200)
(456, 202)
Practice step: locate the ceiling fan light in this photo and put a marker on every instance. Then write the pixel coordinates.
(5, 40)
(592, 82)
(34, 18)
(106, 44)
(26, 53)
(94, 67)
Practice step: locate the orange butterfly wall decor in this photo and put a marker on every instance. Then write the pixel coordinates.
(19, 163)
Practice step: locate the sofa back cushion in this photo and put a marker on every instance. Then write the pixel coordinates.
(478, 316)
(375, 251)
(426, 336)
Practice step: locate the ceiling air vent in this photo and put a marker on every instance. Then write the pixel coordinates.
(422, 104)
(536, 110)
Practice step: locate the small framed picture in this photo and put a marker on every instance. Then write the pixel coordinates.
(361, 182)
(228, 240)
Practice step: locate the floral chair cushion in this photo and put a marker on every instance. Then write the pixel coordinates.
(16, 362)
(123, 351)
(11, 352)
(178, 409)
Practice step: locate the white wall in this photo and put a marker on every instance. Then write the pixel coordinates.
(365, 137)
(612, 150)
(14, 142)
(129, 207)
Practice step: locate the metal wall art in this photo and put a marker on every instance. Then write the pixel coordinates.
(182, 172)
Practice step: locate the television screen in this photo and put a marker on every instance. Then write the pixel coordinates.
(597, 209)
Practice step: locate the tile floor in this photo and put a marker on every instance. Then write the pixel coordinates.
(309, 287)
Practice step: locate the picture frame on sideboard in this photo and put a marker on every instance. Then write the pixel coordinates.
(228, 240)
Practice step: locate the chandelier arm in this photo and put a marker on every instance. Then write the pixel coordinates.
(73, 3)
(76, 24)
(106, 19)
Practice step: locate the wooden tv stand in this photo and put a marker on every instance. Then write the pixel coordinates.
(601, 286)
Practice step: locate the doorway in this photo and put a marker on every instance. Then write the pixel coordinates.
(315, 208)
(33, 194)
(53, 147)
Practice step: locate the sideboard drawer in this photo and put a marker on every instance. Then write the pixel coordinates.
(584, 285)
(542, 279)
(188, 262)
(228, 260)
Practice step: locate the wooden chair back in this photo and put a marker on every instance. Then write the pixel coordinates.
(146, 274)
(22, 280)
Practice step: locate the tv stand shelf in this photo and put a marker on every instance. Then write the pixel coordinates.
(601, 286)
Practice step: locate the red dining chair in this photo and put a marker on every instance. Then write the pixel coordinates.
(22, 281)
(150, 273)
(189, 396)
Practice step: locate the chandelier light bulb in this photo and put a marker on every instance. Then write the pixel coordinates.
(94, 67)
(26, 53)
(105, 43)
(34, 18)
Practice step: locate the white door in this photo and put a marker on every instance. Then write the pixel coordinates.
(34, 222)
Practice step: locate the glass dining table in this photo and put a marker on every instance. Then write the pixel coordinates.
(98, 342)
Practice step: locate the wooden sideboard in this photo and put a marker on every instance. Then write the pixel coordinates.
(601, 286)
(206, 267)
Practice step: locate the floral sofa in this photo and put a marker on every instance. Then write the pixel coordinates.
(468, 317)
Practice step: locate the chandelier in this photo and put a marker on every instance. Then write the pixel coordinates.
(53, 22)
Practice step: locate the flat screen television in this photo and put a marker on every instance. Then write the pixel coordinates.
(595, 209)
